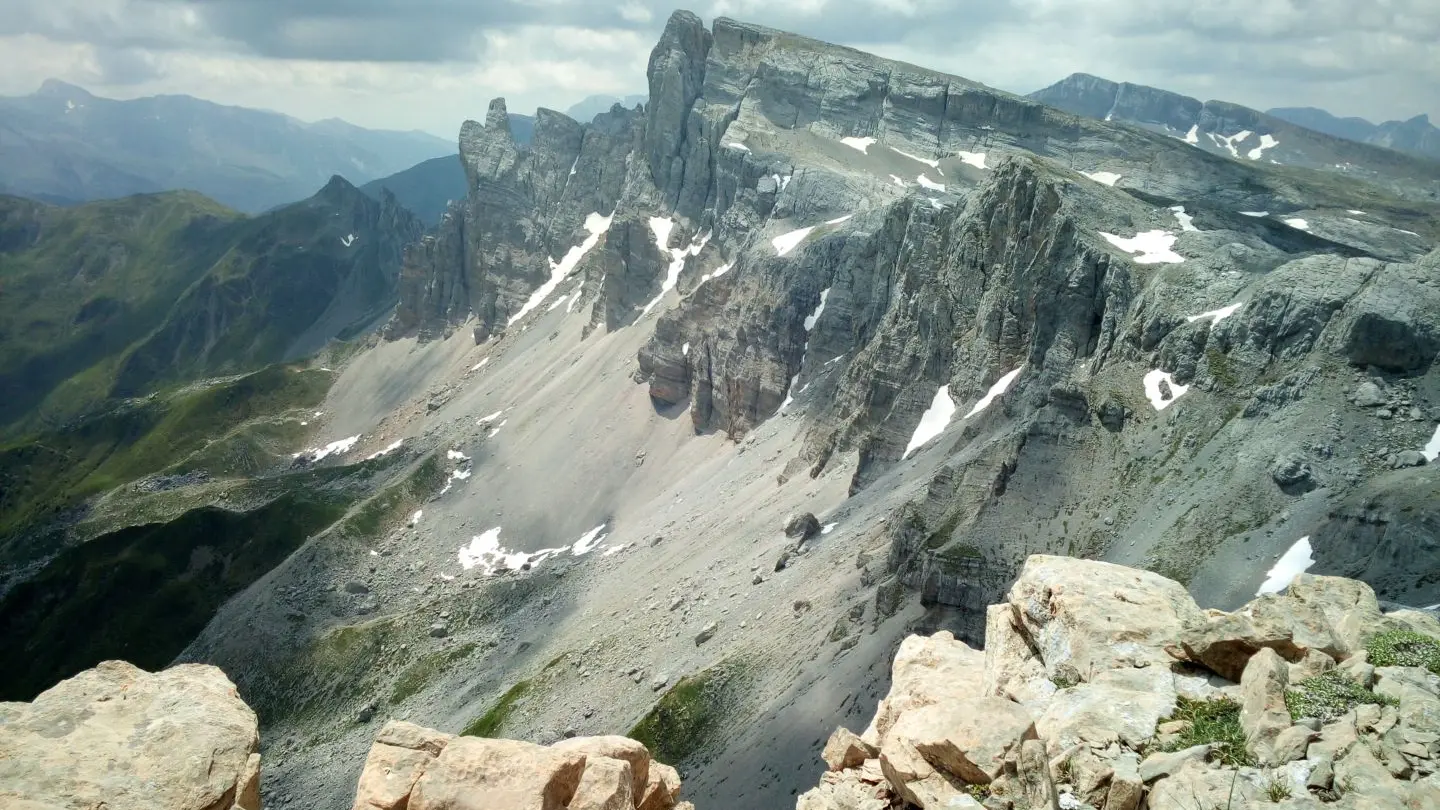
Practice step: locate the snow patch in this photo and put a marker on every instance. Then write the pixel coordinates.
(1187, 222)
(1108, 178)
(1154, 247)
(737, 146)
(392, 447)
(685, 350)
(976, 159)
(926, 182)
(415, 518)
(933, 422)
(335, 448)
(596, 225)
(480, 364)
(1156, 397)
(828, 527)
(1294, 562)
(588, 541)
(1297, 223)
(485, 552)
(1229, 142)
(613, 550)
(1266, 142)
(814, 317)
(348, 240)
(897, 181)
(1255, 213)
(862, 144)
(934, 164)
(786, 242)
(570, 302)
(496, 429)
(485, 420)
(573, 165)
(1193, 136)
(1215, 315)
(1432, 450)
(456, 455)
(1356, 213)
(998, 389)
(661, 227)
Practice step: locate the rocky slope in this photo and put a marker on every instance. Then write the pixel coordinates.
(1102, 686)
(1394, 158)
(955, 326)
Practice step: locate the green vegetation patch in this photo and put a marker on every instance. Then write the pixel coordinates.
(686, 718)
(143, 593)
(1213, 722)
(424, 671)
(490, 723)
(1329, 696)
(1402, 648)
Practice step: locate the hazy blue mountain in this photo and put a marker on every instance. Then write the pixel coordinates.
(64, 145)
(426, 188)
(1415, 135)
(584, 111)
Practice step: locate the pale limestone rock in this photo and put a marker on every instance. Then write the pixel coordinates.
(606, 784)
(1121, 704)
(1262, 709)
(662, 788)
(1126, 788)
(1168, 763)
(1314, 663)
(1011, 669)
(1292, 744)
(926, 671)
(1085, 617)
(401, 753)
(472, 773)
(1349, 606)
(1037, 787)
(614, 747)
(847, 792)
(845, 749)
(968, 739)
(1224, 642)
(1195, 785)
(121, 738)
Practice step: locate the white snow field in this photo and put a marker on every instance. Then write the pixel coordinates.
(1187, 222)
(933, 422)
(1193, 136)
(1153, 393)
(996, 391)
(1215, 315)
(1297, 223)
(1432, 448)
(1108, 178)
(661, 227)
(862, 144)
(336, 448)
(1294, 562)
(1267, 141)
(976, 159)
(596, 225)
(786, 242)
(934, 164)
(926, 182)
(1154, 247)
(1255, 213)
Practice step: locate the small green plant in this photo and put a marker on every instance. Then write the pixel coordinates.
(978, 792)
(1277, 790)
(1402, 648)
(487, 724)
(1329, 696)
(1213, 722)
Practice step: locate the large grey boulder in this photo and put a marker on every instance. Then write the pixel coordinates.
(124, 739)
(1394, 323)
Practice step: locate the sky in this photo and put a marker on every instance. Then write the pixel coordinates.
(430, 64)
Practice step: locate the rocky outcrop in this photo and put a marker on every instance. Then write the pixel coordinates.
(1085, 699)
(422, 769)
(121, 738)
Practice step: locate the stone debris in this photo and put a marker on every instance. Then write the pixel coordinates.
(1077, 702)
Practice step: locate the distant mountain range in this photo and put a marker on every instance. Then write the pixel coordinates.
(1416, 136)
(586, 110)
(118, 297)
(1234, 130)
(63, 145)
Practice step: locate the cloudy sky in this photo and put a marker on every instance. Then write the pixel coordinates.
(429, 64)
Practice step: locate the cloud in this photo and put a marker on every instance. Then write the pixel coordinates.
(431, 63)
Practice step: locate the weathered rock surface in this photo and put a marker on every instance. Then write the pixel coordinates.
(940, 746)
(418, 768)
(118, 737)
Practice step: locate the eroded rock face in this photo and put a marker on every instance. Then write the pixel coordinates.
(419, 768)
(118, 737)
(1079, 742)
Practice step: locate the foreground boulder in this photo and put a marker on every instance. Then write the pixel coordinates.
(1104, 687)
(120, 738)
(414, 768)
